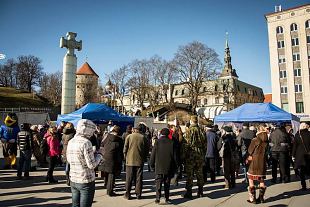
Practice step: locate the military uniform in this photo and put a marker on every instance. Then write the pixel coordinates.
(195, 148)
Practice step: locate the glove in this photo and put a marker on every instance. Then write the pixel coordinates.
(293, 159)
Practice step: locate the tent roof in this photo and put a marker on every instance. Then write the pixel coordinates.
(256, 112)
(95, 112)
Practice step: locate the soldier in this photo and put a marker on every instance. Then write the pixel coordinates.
(195, 149)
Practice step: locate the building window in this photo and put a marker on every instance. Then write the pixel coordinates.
(282, 73)
(183, 92)
(294, 27)
(299, 107)
(245, 90)
(176, 93)
(217, 100)
(205, 101)
(297, 72)
(307, 23)
(295, 41)
(238, 87)
(279, 30)
(296, 57)
(308, 39)
(215, 88)
(204, 89)
(281, 44)
(298, 88)
(281, 59)
(283, 89)
(285, 106)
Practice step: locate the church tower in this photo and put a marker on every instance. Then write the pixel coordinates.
(228, 71)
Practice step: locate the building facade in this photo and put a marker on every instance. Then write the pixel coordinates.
(216, 96)
(86, 85)
(289, 48)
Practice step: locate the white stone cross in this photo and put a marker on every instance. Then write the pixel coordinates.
(71, 43)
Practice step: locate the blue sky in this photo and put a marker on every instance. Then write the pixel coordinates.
(114, 32)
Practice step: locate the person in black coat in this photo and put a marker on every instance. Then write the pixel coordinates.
(112, 158)
(300, 148)
(164, 159)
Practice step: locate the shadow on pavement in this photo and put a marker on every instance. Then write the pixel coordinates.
(286, 195)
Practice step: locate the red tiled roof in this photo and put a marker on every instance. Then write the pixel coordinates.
(268, 98)
(86, 70)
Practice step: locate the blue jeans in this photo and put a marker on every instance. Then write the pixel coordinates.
(82, 194)
(24, 160)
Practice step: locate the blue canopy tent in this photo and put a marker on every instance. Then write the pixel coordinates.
(98, 113)
(257, 112)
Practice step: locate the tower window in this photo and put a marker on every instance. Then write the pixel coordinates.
(176, 93)
(183, 92)
(279, 30)
(294, 27)
(308, 39)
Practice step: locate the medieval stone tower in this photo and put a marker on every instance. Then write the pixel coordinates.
(86, 85)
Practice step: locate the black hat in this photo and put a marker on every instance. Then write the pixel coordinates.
(228, 128)
(246, 124)
(165, 132)
(209, 125)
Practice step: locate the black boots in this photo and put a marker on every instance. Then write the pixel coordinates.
(252, 194)
(200, 192)
(188, 194)
(262, 191)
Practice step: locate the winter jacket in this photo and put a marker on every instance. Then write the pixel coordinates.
(113, 154)
(258, 150)
(212, 140)
(279, 140)
(24, 140)
(136, 149)
(67, 135)
(244, 140)
(299, 150)
(164, 157)
(53, 144)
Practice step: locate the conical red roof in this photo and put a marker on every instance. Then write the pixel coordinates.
(86, 70)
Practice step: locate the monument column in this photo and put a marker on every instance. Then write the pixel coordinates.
(69, 72)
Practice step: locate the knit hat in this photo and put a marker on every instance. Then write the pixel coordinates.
(245, 124)
(165, 132)
(228, 128)
(85, 128)
(209, 125)
(194, 118)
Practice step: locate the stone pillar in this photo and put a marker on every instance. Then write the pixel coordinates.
(69, 73)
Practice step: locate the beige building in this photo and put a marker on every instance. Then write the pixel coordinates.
(86, 85)
(289, 48)
(216, 97)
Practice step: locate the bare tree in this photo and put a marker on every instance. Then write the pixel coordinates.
(196, 63)
(7, 73)
(50, 87)
(29, 71)
(139, 80)
(119, 79)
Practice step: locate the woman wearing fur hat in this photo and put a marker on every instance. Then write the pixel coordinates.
(257, 161)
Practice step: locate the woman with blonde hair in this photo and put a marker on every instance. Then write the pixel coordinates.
(257, 161)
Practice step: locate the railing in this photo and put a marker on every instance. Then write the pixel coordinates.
(26, 109)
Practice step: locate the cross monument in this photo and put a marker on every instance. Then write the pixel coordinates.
(69, 72)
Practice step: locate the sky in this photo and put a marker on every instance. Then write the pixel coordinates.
(115, 32)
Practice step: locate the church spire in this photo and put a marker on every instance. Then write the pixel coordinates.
(228, 70)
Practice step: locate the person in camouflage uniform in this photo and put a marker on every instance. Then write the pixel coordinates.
(194, 151)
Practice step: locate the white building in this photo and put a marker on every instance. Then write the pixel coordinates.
(289, 48)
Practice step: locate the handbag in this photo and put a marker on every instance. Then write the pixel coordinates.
(307, 154)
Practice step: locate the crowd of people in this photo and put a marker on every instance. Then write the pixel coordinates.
(198, 151)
